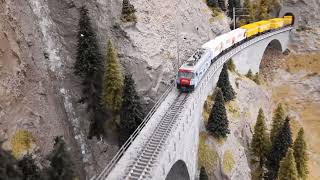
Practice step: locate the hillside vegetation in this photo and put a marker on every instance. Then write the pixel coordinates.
(297, 85)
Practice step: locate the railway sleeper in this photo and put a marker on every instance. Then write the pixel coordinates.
(134, 176)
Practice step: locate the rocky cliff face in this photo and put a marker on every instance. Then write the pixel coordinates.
(39, 92)
(306, 37)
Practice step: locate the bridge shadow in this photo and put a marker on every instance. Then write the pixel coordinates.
(273, 52)
(178, 171)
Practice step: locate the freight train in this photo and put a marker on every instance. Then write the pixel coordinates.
(191, 72)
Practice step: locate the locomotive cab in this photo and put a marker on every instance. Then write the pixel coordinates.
(185, 80)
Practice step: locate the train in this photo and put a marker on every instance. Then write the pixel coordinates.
(192, 70)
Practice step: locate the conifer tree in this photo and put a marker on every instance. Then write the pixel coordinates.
(224, 84)
(88, 67)
(212, 3)
(231, 66)
(287, 170)
(249, 10)
(260, 143)
(218, 124)
(127, 7)
(256, 78)
(131, 113)
(112, 81)
(231, 5)
(277, 122)
(8, 166)
(222, 5)
(203, 174)
(128, 11)
(61, 166)
(249, 74)
(30, 171)
(300, 155)
(263, 9)
(279, 148)
(87, 60)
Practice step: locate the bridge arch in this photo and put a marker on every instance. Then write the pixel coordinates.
(273, 49)
(275, 44)
(178, 171)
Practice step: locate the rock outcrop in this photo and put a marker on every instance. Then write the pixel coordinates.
(306, 37)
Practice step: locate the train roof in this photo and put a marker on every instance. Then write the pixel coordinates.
(211, 44)
(196, 60)
(236, 32)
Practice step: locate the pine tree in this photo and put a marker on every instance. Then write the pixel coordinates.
(112, 81)
(8, 166)
(131, 112)
(231, 66)
(61, 166)
(30, 171)
(127, 7)
(300, 155)
(212, 3)
(87, 60)
(231, 5)
(279, 148)
(88, 67)
(222, 5)
(287, 170)
(249, 74)
(263, 12)
(218, 124)
(203, 174)
(277, 122)
(128, 11)
(256, 78)
(224, 84)
(260, 143)
(249, 10)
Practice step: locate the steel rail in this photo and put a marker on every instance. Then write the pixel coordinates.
(142, 165)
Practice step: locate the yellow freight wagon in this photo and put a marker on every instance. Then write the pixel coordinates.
(276, 23)
(287, 20)
(263, 26)
(251, 29)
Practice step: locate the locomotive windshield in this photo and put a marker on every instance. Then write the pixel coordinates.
(188, 75)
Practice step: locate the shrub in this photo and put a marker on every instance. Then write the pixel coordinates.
(128, 12)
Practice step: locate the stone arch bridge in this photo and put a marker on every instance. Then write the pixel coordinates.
(165, 145)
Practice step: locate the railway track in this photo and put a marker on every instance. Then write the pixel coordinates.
(141, 167)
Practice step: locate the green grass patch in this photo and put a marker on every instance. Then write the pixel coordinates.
(228, 161)
(208, 157)
(233, 109)
(21, 142)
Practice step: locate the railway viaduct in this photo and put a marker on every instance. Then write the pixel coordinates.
(165, 145)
